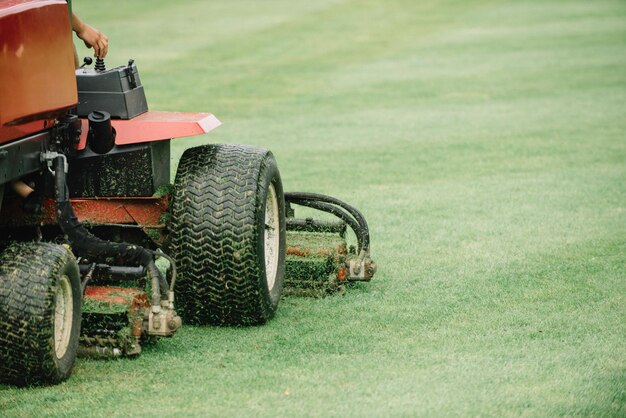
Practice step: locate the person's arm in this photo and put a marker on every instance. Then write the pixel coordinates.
(92, 37)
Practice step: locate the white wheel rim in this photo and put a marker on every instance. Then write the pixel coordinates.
(272, 236)
(63, 314)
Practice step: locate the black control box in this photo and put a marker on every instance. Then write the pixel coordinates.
(117, 91)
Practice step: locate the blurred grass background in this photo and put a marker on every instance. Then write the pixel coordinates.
(485, 141)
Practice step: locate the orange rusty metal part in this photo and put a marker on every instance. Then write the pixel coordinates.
(156, 126)
(341, 274)
(315, 252)
(134, 299)
(117, 295)
(36, 66)
(143, 211)
(307, 252)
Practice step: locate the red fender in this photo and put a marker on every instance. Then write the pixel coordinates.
(156, 126)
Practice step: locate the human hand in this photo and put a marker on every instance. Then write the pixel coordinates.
(95, 39)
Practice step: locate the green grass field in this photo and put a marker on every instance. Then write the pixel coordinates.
(485, 141)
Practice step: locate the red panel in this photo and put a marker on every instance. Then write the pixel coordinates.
(157, 126)
(144, 211)
(139, 210)
(128, 296)
(36, 65)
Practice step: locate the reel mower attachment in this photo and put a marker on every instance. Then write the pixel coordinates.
(319, 261)
(116, 320)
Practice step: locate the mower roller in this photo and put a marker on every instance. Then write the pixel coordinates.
(95, 241)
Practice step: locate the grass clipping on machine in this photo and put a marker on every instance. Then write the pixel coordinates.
(315, 264)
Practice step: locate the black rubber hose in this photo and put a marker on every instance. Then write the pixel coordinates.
(332, 200)
(315, 197)
(86, 244)
(338, 212)
(171, 285)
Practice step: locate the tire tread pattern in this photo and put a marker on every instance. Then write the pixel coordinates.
(28, 273)
(214, 235)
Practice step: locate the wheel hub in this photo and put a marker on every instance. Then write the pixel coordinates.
(272, 236)
(63, 313)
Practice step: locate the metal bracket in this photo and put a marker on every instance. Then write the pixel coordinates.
(49, 156)
(163, 323)
(362, 269)
(131, 75)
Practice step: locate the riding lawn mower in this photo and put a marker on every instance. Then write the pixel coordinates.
(95, 241)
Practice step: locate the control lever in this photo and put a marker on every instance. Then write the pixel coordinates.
(86, 61)
(100, 65)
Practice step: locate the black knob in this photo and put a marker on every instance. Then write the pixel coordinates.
(100, 65)
(86, 61)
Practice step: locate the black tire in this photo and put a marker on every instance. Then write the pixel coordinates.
(36, 280)
(218, 235)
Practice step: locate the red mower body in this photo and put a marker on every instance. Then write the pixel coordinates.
(37, 81)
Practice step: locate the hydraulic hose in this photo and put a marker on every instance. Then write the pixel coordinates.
(324, 203)
(170, 293)
(86, 244)
(338, 212)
